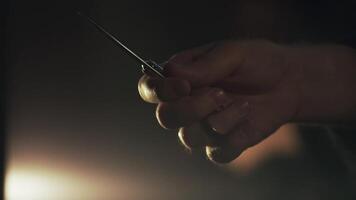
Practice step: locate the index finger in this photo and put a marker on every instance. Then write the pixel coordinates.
(155, 90)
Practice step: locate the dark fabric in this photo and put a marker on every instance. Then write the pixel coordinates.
(344, 139)
(333, 149)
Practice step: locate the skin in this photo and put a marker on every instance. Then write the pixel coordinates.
(231, 95)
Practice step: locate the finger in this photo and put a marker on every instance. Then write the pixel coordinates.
(198, 135)
(234, 145)
(193, 136)
(190, 109)
(224, 121)
(263, 120)
(257, 127)
(189, 56)
(210, 67)
(155, 90)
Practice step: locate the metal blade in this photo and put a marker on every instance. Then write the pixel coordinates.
(121, 45)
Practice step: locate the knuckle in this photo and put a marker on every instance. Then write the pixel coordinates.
(221, 155)
(172, 89)
(160, 92)
(146, 89)
(214, 123)
(192, 136)
(167, 116)
(141, 84)
(185, 139)
(184, 112)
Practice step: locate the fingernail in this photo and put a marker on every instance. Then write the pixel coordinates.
(221, 99)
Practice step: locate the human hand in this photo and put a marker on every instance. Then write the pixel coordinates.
(243, 90)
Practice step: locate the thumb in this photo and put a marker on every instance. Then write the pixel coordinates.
(208, 68)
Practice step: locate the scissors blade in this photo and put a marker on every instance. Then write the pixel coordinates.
(121, 45)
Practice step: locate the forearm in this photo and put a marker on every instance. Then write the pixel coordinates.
(327, 84)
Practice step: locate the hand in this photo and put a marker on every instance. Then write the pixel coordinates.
(242, 90)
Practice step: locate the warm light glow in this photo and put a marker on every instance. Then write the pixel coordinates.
(41, 183)
(59, 182)
(30, 185)
(37, 184)
(36, 171)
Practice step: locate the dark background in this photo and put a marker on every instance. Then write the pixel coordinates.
(74, 107)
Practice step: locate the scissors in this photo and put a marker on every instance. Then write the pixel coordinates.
(147, 65)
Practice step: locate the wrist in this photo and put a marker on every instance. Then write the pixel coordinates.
(326, 80)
